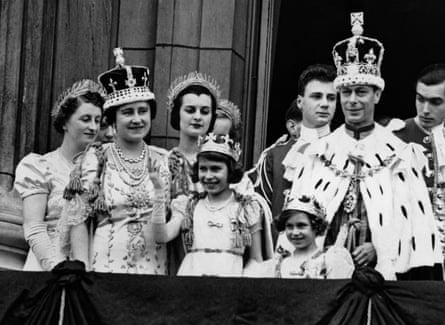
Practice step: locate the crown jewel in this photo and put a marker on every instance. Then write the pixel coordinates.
(306, 204)
(124, 83)
(79, 88)
(359, 58)
(228, 109)
(221, 144)
(193, 78)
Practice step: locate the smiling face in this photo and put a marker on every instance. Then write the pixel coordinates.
(83, 125)
(430, 104)
(317, 103)
(299, 231)
(195, 114)
(358, 104)
(133, 121)
(213, 176)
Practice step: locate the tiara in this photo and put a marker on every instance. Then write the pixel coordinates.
(221, 144)
(229, 110)
(305, 203)
(359, 58)
(193, 78)
(79, 88)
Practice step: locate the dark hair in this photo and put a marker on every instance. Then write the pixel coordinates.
(318, 224)
(320, 72)
(235, 170)
(70, 106)
(110, 113)
(197, 90)
(433, 74)
(293, 112)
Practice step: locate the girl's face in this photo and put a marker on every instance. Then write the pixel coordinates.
(195, 114)
(82, 127)
(133, 121)
(213, 176)
(106, 132)
(299, 231)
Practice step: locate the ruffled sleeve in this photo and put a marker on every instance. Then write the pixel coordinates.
(31, 176)
(76, 208)
(253, 215)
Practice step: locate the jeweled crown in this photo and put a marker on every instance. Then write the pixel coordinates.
(79, 88)
(228, 109)
(124, 83)
(193, 78)
(220, 143)
(359, 58)
(304, 203)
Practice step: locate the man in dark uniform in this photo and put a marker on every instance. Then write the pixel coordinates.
(267, 175)
(307, 119)
(427, 130)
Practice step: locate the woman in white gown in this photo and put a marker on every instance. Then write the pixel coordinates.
(111, 198)
(41, 179)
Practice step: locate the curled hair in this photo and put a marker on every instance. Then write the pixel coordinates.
(197, 90)
(320, 72)
(318, 224)
(235, 170)
(433, 74)
(110, 113)
(70, 106)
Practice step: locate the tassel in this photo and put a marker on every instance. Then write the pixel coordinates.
(187, 223)
(188, 239)
(99, 205)
(93, 193)
(67, 194)
(247, 238)
(73, 187)
(238, 240)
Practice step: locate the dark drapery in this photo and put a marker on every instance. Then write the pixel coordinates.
(94, 298)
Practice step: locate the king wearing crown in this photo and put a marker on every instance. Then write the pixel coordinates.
(367, 178)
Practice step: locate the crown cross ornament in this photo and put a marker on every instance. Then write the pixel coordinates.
(112, 84)
(220, 143)
(305, 203)
(125, 83)
(145, 79)
(358, 59)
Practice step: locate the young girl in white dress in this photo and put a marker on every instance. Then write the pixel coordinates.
(219, 225)
(302, 220)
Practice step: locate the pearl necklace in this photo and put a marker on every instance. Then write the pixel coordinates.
(137, 175)
(220, 206)
(131, 160)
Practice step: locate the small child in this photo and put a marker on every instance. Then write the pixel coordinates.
(218, 225)
(302, 220)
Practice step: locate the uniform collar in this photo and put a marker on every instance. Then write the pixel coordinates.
(358, 132)
(311, 134)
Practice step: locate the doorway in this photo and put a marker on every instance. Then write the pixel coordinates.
(411, 32)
